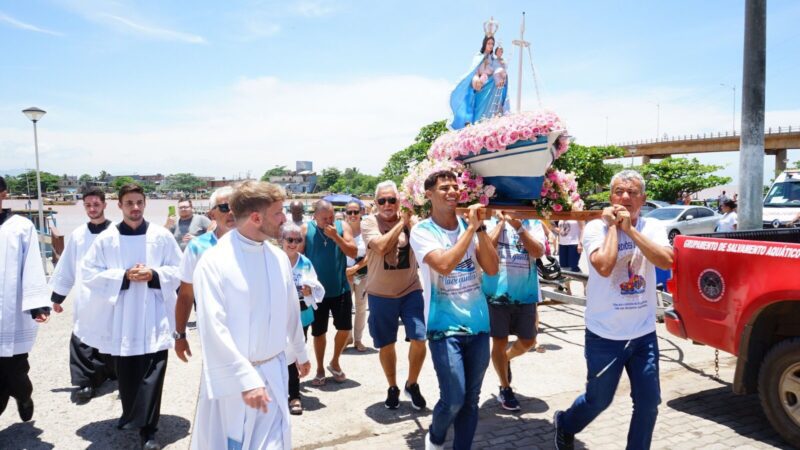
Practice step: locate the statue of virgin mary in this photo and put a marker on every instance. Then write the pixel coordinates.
(479, 95)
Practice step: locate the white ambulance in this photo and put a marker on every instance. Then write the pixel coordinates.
(782, 203)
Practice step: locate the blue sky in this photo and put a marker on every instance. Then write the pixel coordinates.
(222, 88)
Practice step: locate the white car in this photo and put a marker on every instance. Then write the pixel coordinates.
(686, 219)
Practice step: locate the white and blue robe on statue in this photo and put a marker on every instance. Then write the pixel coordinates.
(248, 318)
(23, 285)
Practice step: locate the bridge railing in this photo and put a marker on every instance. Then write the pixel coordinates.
(698, 136)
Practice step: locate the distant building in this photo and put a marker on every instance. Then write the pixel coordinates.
(216, 184)
(68, 184)
(301, 166)
(301, 181)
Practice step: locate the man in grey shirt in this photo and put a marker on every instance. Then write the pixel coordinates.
(189, 225)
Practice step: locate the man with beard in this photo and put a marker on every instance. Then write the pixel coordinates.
(131, 271)
(248, 316)
(24, 301)
(87, 366)
(221, 213)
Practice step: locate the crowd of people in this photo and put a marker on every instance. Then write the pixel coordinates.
(461, 287)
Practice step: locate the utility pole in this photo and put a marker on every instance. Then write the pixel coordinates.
(751, 147)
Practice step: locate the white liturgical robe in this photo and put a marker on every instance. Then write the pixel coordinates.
(67, 274)
(247, 315)
(138, 320)
(23, 286)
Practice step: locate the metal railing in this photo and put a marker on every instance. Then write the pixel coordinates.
(696, 137)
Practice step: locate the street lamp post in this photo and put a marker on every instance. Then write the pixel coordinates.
(733, 121)
(34, 114)
(633, 154)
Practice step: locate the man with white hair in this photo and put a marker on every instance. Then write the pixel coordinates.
(394, 292)
(220, 212)
(623, 250)
(248, 317)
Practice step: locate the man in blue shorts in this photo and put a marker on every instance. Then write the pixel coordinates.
(394, 291)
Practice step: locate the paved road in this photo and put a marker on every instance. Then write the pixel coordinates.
(697, 411)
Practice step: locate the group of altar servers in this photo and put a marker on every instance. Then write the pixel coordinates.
(123, 279)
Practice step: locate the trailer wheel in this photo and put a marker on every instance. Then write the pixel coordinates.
(779, 389)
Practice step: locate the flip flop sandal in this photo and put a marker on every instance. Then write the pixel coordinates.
(319, 381)
(338, 375)
(360, 347)
(540, 349)
(295, 408)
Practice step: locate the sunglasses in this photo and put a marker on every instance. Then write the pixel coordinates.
(223, 207)
(382, 201)
(352, 212)
(293, 240)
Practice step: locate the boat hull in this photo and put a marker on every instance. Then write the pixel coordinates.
(517, 172)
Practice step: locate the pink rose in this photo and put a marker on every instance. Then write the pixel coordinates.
(484, 200)
(557, 207)
(463, 197)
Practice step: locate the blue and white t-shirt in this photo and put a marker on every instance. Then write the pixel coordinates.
(622, 306)
(304, 274)
(454, 303)
(517, 281)
(194, 250)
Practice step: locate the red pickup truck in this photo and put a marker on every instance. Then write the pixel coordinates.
(740, 293)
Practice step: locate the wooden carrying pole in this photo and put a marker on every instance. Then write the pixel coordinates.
(529, 212)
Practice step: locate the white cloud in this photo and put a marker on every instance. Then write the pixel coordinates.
(312, 8)
(26, 26)
(262, 122)
(152, 31)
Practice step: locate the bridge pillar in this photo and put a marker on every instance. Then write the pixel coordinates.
(645, 160)
(780, 161)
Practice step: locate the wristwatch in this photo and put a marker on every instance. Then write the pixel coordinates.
(176, 335)
(481, 228)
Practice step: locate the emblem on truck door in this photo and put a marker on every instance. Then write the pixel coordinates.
(711, 285)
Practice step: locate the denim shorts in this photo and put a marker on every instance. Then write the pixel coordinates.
(385, 312)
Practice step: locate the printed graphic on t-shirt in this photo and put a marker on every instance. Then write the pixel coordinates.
(398, 261)
(513, 254)
(463, 279)
(564, 228)
(629, 277)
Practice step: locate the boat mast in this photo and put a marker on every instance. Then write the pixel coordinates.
(522, 43)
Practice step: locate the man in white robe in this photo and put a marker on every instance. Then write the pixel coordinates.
(131, 271)
(248, 317)
(24, 301)
(87, 366)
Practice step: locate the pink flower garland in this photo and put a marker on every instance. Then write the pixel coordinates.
(498, 133)
(472, 189)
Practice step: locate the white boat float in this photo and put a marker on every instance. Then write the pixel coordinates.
(518, 171)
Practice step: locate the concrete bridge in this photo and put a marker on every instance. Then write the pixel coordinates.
(776, 142)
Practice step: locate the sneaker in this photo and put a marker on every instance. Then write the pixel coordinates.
(562, 440)
(392, 398)
(508, 400)
(430, 445)
(412, 393)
